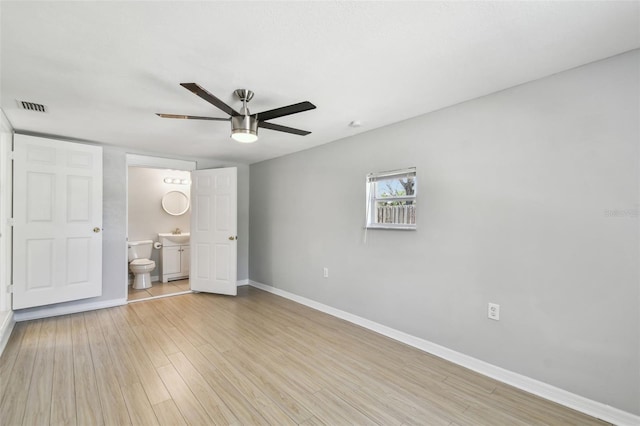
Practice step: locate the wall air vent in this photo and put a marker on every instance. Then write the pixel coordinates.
(31, 106)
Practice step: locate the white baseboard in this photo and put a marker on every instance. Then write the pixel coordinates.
(543, 390)
(242, 282)
(5, 330)
(55, 311)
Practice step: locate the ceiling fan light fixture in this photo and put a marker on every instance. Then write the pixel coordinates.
(244, 128)
(244, 136)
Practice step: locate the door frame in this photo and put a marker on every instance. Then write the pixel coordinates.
(151, 162)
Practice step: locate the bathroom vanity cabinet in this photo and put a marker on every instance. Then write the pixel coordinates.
(175, 262)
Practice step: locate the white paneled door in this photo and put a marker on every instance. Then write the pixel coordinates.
(214, 239)
(57, 211)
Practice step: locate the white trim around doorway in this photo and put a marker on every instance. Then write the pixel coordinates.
(138, 160)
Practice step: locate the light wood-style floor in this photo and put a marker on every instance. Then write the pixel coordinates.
(253, 359)
(158, 289)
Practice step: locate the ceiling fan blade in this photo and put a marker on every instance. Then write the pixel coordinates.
(191, 117)
(280, 128)
(287, 110)
(193, 87)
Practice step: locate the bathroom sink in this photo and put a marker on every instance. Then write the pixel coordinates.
(168, 238)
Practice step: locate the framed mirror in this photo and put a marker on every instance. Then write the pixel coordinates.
(175, 203)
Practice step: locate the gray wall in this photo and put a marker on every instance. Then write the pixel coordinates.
(114, 215)
(114, 223)
(527, 198)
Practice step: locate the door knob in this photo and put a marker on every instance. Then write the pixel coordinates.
(96, 229)
(233, 238)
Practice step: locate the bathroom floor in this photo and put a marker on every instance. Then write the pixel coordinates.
(159, 289)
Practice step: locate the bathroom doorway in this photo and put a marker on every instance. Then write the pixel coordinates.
(158, 222)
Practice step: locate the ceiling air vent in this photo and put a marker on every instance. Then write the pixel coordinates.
(31, 106)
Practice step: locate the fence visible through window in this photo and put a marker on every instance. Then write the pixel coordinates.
(405, 215)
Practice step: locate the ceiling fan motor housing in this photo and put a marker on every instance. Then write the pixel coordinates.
(244, 125)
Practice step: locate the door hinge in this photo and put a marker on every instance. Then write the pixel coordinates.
(11, 155)
(11, 221)
(10, 288)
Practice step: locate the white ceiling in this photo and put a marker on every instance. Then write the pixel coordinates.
(105, 68)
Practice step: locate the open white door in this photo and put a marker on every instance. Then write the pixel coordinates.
(57, 211)
(214, 227)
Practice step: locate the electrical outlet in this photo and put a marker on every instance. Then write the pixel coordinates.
(493, 311)
(325, 272)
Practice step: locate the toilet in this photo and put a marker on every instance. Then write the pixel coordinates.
(139, 263)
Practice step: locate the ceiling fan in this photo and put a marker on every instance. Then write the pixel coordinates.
(244, 126)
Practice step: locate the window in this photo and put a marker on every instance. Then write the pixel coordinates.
(391, 199)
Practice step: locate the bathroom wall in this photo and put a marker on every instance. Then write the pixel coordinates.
(146, 218)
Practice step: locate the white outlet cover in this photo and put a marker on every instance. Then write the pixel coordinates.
(493, 311)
